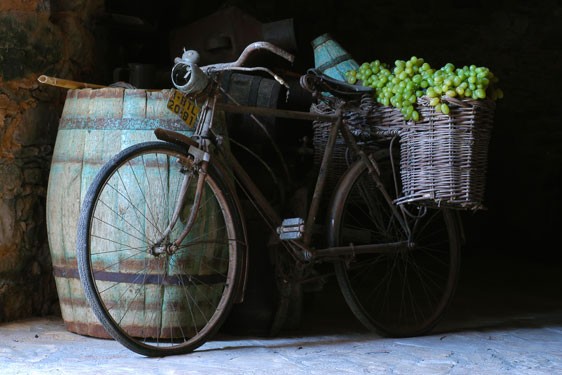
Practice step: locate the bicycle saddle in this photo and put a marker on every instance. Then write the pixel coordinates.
(316, 81)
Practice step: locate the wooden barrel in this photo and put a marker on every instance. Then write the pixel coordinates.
(95, 125)
(252, 91)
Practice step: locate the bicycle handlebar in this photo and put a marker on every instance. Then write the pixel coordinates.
(188, 77)
(256, 46)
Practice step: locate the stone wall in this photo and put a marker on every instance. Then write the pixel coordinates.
(36, 37)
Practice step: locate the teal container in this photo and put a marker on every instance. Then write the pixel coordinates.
(95, 125)
(331, 59)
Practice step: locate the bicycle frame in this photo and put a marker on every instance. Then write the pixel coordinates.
(203, 134)
(161, 292)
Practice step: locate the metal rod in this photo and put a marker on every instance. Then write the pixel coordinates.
(383, 248)
(322, 177)
(283, 113)
(67, 84)
(254, 193)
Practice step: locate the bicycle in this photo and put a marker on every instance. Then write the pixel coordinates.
(158, 209)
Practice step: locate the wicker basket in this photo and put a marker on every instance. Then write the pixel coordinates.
(444, 157)
(369, 123)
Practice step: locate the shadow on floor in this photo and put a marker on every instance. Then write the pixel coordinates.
(494, 292)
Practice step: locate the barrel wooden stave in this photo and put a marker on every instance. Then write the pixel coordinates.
(95, 125)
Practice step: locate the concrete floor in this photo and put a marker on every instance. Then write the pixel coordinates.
(506, 319)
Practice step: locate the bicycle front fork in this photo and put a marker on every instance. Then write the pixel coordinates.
(194, 170)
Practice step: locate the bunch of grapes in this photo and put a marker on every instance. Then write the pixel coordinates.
(401, 85)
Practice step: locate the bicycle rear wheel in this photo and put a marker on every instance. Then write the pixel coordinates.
(165, 303)
(402, 293)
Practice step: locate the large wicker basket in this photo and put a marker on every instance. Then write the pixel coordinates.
(444, 158)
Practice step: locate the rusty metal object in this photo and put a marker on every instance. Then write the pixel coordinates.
(67, 84)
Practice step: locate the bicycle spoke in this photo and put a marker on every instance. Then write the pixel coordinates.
(402, 293)
(165, 300)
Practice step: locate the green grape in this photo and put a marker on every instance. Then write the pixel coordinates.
(364, 66)
(434, 102)
(457, 81)
(402, 84)
(449, 67)
(480, 94)
(407, 111)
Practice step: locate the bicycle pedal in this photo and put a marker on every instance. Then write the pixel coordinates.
(291, 229)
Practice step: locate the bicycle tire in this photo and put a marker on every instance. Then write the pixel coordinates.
(165, 304)
(398, 294)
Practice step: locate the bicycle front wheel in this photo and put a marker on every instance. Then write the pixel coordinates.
(396, 293)
(158, 303)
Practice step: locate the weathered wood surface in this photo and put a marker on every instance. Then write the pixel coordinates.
(95, 125)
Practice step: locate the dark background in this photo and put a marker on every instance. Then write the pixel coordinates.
(512, 250)
(513, 242)
(519, 41)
